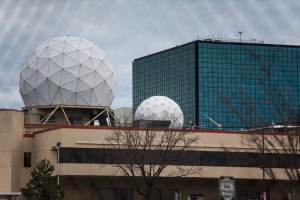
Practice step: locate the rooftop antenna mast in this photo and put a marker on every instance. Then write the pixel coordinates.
(240, 32)
(213, 121)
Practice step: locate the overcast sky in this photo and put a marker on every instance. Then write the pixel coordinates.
(129, 29)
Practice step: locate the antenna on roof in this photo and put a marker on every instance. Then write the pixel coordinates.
(240, 32)
(213, 121)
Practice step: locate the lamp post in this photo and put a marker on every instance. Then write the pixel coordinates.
(264, 161)
(57, 147)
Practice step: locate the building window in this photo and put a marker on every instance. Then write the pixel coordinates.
(51, 120)
(115, 194)
(167, 194)
(27, 159)
(75, 119)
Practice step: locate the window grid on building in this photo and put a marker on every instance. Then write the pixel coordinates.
(238, 85)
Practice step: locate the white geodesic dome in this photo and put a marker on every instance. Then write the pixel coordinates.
(67, 70)
(160, 108)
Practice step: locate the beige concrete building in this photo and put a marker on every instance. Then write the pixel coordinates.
(25, 140)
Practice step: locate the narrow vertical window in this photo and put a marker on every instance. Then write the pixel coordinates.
(27, 159)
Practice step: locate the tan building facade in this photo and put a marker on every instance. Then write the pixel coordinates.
(25, 144)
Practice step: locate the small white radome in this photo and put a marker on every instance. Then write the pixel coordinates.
(160, 108)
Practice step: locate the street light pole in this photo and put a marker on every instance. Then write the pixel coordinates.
(57, 147)
(264, 161)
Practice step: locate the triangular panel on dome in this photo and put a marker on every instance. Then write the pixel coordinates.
(45, 68)
(32, 79)
(43, 92)
(88, 63)
(99, 54)
(42, 101)
(98, 79)
(107, 63)
(69, 47)
(44, 53)
(104, 101)
(107, 98)
(107, 70)
(42, 61)
(74, 70)
(89, 78)
(25, 88)
(110, 99)
(33, 97)
(81, 86)
(94, 100)
(57, 98)
(31, 58)
(74, 55)
(56, 78)
(68, 61)
(86, 51)
(58, 46)
(39, 79)
(67, 77)
(53, 52)
(21, 81)
(80, 101)
(71, 86)
(74, 42)
(102, 69)
(27, 72)
(71, 100)
(59, 60)
(111, 80)
(82, 56)
(53, 68)
(105, 92)
(29, 102)
(96, 62)
(53, 89)
(85, 71)
(98, 91)
(53, 42)
(25, 101)
(86, 96)
(33, 64)
(84, 44)
(66, 95)
(96, 55)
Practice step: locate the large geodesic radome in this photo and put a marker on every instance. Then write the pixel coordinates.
(67, 70)
(160, 108)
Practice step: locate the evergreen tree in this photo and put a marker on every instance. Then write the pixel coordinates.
(42, 185)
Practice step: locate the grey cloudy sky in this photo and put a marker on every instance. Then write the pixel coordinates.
(128, 29)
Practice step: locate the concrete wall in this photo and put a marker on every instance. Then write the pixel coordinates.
(11, 135)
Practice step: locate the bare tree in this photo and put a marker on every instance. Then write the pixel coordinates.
(144, 155)
(279, 148)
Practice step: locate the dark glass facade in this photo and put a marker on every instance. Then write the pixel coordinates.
(169, 73)
(237, 85)
(187, 158)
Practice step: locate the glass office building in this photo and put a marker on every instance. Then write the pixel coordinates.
(230, 84)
